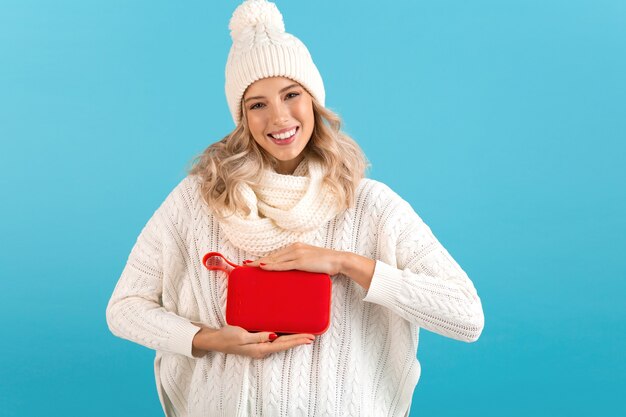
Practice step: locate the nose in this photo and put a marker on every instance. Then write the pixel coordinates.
(281, 114)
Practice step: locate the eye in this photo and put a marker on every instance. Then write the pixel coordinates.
(256, 106)
(292, 95)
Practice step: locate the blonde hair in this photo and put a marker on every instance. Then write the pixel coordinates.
(237, 159)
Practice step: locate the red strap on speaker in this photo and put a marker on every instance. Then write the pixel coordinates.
(215, 261)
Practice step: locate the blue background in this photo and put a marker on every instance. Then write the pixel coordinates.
(502, 122)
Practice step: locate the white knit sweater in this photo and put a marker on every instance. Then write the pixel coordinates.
(364, 365)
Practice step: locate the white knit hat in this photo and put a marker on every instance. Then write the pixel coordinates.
(261, 48)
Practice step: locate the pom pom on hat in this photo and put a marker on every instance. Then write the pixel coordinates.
(261, 48)
(254, 13)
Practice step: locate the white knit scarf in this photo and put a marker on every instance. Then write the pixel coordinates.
(283, 209)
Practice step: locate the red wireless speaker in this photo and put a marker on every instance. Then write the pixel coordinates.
(274, 301)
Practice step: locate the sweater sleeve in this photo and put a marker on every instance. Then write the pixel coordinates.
(427, 286)
(135, 311)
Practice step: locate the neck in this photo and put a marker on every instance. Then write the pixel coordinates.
(288, 167)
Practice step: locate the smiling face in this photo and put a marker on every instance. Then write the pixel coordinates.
(279, 112)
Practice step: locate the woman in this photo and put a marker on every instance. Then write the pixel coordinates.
(286, 190)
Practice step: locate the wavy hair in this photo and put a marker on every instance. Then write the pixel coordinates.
(237, 159)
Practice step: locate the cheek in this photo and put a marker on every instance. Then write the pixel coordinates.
(305, 112)
(256, 125)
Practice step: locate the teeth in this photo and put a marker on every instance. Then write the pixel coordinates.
(284, 135)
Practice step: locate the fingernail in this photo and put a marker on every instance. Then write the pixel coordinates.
(247, 261)
(262, 264)
(273, 336)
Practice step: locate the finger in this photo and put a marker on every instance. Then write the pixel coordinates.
(279, 345)
(284, 254)
(258, 262)
(288, 337)
(261, 350)
(262, 262)
(281, 266)
(261, 337)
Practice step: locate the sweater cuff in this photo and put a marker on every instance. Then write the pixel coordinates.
(386, 283)
(181, 339)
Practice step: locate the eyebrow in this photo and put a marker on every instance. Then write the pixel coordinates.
(282, 90)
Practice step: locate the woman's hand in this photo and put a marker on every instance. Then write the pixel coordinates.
(314, 259)
(303, 257)
(233, 339)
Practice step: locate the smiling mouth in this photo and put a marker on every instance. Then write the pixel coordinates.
(284, 135)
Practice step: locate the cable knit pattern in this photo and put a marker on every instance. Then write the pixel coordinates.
(364, 365)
